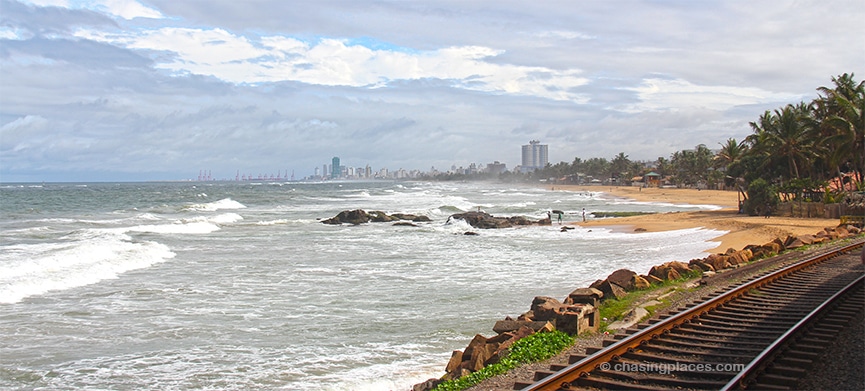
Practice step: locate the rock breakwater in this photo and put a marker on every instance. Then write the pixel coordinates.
(578, 313)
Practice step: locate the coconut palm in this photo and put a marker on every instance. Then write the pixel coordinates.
(841, 112)
(782, 138)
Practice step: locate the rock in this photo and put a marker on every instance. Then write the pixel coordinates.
(482, 220)
(404, 224)
(427, 385)
(355, 217)
(578, 319)
(638, 282)
(470, 233)
(718, 262)
(506, 326)
(681, 267)
(590, 296)
(548, 328)
(672, 274)
(610, 290)
(546, 308)
(798, 241)
(652, 279)
(622, 278)
(455, 361)
(486, 221)
(741, 257)
(378, 216)
(476, 343)
(411, 217)
(702, 265)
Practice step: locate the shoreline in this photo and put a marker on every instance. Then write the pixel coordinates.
(741, 230)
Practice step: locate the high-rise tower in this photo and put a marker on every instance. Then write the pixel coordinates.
(535, 156)
(336, 170)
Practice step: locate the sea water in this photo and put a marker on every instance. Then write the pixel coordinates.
(238, 285)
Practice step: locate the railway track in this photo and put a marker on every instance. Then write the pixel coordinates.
(763, 333)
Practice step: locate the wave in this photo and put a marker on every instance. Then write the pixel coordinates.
(87, 257)
(225, 203)
(196, 227)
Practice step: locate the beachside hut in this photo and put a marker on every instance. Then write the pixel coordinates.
(652, 179)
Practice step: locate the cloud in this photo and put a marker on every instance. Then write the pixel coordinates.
(160, 89)
(658, 94)
(127, 9)
(335, 62)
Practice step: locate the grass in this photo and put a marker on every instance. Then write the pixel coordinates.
(534, 348)
(614, 309)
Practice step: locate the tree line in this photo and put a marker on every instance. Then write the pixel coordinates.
(802, 150)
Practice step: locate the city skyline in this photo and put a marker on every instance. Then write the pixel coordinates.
(124, 90)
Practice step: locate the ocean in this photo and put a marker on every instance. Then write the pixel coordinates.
(238, 285)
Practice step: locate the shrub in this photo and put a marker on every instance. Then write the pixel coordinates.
(534, 348)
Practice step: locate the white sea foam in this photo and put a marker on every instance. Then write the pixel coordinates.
(225, 203)
(90, 256)
(195, 227)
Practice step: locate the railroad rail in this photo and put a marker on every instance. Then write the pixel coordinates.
(755, 334)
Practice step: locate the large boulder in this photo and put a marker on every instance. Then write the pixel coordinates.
(411, 217)
(357, 216)
(610, 290)
(488, 221)
(590, 296)
(622, 278)
(483, 220)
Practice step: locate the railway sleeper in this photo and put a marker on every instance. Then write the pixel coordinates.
(717, 330)
(798, 292)
(801, 354)
(679, 335)
(784, 370)
(767, 325)
(794, 362)
(677, 369)
(605, 384)
(667, 359)
(690, 380)
(701, 335)
(712, 345)
(765, 301)
(758, 316)
(678, 354)
(675, 356)
(778, 380)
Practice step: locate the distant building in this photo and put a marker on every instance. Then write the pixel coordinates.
(496, 168)
(336, 170)
(535, 156)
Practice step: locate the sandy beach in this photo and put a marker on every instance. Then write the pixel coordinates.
(742, 230)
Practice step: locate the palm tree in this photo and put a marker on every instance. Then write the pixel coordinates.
(728, 161)
(842, 118)
(782, 138)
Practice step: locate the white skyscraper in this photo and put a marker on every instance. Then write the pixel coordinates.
(535, 156)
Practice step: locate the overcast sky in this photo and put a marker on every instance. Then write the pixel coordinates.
(102, 90)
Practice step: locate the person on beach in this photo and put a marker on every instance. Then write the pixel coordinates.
(584, 215)
(560, 217)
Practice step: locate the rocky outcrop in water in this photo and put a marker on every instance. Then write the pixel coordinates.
(487, 221)
(360, 216)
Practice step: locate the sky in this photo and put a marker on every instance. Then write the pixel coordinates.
(126, 90)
